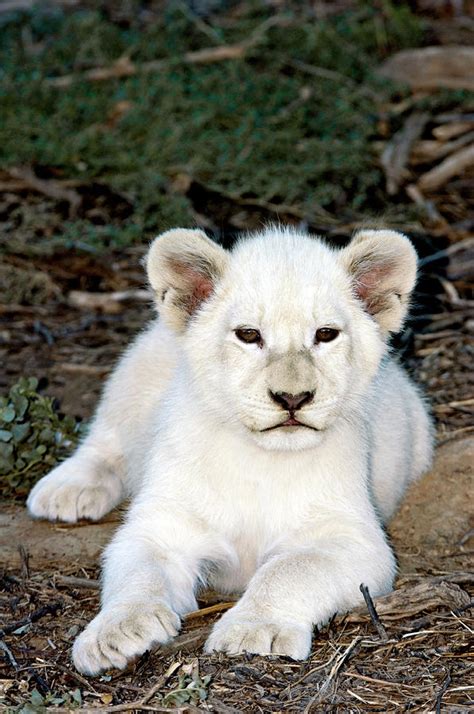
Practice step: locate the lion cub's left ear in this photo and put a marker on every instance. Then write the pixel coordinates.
(183, 267)
(382, 265)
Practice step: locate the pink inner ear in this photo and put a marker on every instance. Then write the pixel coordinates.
(198, 285)
(368, 282)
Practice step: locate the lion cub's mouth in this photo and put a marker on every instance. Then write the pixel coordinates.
(291, 421)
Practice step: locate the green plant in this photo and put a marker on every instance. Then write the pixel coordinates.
(39, 703)
(191, 689)
(34, 437)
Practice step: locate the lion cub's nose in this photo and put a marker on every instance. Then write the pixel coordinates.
(292, 402)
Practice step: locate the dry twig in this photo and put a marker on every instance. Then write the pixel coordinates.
(396, 153)
(373, 612)
(49, 188)
(452, 166)
(124, 67)
(107, 302)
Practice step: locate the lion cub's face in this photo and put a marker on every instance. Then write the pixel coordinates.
(283, 334)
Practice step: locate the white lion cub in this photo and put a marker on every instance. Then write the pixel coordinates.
(264, 433)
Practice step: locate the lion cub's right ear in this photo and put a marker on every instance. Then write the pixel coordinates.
(183, 267)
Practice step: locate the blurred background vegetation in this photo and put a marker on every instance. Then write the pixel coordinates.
(291, 123)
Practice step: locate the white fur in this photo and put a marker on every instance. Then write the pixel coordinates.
(291, 516)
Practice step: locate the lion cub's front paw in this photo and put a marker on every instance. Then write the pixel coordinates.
(122, 632)
(235, 633)
(72, 491)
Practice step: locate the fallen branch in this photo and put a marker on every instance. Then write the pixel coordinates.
(50, 609)
(413, 599)
(445, 132)
(429, 150)
(460, 256)
(111, 303)
(9, 654)
(210, 610)
(432, 213)
(49, 188)
(88, 369)
(73, 582)
(124, 67)
(451, 166)
(429, 68)
(397, 152)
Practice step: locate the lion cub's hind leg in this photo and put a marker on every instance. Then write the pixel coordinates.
(107, 466)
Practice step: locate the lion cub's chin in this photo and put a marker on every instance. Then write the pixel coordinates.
(288, 438)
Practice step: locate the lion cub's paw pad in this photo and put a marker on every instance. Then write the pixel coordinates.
(114, 637)
(260, 637)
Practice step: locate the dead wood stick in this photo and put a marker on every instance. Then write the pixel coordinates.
(448, 117)
(124, 67)
(15, 5)
(451, 166)
(458, 576)
(379, 682)
(48, 188)
(92, 584)
(89, 369)
(451, 250)
(321, 72)
(425, 151)
(373, 612)
(414, 193)
(210, 610)
(409, 600)
(447, 436)
(430, 336)
(454, 405)
(50, 609)
(9, 654)
(396, 153)
(108, 302)
(451, 130)
(453, 295)
(132, 706)
(442, 692)
(73, 582)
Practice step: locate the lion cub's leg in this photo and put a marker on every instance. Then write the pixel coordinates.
(304, 586)
(106, 466)
(150, 573)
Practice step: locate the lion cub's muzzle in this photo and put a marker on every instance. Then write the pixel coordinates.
(291, 403)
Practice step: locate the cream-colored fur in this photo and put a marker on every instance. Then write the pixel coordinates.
(291, 515)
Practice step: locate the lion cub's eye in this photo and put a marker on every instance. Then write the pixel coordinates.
(249, 336)
(325, 334)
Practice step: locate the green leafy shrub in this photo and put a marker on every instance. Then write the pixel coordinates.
(34, 437)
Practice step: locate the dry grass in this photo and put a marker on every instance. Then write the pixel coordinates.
(423, 662)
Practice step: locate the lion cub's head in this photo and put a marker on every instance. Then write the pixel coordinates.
(283, 334)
